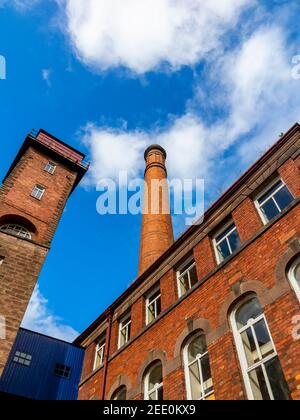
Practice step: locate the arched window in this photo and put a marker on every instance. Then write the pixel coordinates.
(294, 277)
(154, 383)
(198, 378)
(16, 230)
(120, 394)
(261, 368)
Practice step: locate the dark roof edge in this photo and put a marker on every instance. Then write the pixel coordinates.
(292, 131)
(51, 338)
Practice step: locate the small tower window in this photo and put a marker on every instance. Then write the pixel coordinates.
(16, 230)
(50, 168)
(38, 192)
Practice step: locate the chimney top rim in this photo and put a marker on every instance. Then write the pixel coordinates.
(155, 147)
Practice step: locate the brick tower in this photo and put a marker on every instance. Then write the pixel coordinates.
(157, 231)
(32, 199)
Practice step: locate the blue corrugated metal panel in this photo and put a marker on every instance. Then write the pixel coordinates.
(39, 380)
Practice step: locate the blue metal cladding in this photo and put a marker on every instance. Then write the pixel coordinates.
(39, 381)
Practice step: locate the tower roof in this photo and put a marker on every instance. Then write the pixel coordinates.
(55, 148)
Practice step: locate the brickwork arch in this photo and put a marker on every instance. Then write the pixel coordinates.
(154, 356)
(122, 381)
(244, 288)
(286, 261)
(193, 326)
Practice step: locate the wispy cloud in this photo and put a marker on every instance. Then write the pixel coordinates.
(251, 99)
(40, 318)
(46, 75)
(149, 34)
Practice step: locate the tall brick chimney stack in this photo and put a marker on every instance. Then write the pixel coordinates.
(157, 231)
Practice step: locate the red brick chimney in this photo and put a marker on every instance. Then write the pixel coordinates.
(157, 231)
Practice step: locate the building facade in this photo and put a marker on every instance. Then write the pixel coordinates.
(32, 199)
(216, 316)
(42, 368)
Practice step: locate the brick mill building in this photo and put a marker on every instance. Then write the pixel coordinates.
(211, 315)
(32, 199)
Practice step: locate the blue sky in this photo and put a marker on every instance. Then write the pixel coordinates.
(213, 83)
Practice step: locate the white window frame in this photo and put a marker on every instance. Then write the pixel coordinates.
(100, 348)
(124, 324)
(180, 274)
(292, 278)
(157, 387)
(50, 168)
(40, 189)
(16, 230)
(187, 365)
(263, 217)
(150, 301)
(225, 237)
(241, 351)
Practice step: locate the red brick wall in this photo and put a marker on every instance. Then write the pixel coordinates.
(15, 195)
(18, 275)
(253, 269)
(24, 259)
(247, 220)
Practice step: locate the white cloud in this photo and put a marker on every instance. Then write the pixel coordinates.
(253, 83)
(141, 35)
(39, 318)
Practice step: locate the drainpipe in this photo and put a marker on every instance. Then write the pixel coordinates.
(106, 356)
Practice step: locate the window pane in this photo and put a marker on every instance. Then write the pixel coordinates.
(263, 338)
(297, 275)
(234, 240)
(258, 385)
(120, 395)
(284, 198)
(224, 250)
(270, 192)
(155, 377)
(250, 347)
(128, 332)
(196, 348)
(151, 312)
(225, 232)
(278, 384)
(195, 381)
(206, 373)
(184, 284)
(193, 276)
(152, 396)
(250, 310)
(270, 210)
(158, 306)
(160, 393)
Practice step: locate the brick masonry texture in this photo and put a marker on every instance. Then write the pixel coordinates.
(259, 267)
(23, 259)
